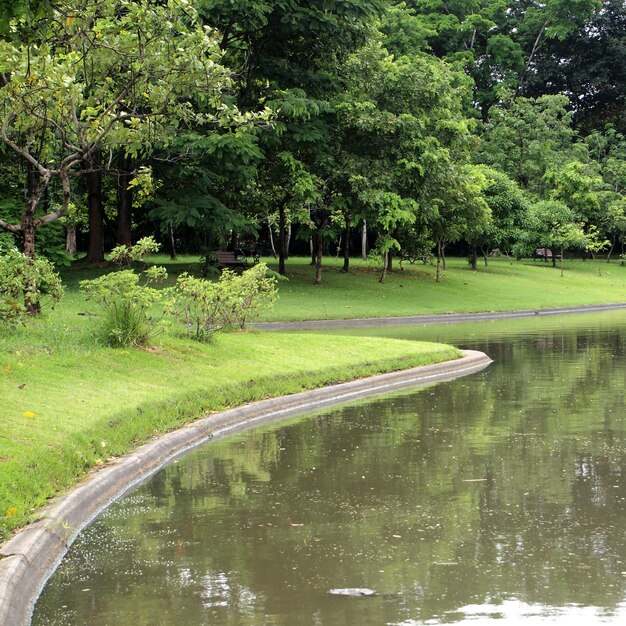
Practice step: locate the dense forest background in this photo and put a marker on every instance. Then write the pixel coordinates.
(348, 126)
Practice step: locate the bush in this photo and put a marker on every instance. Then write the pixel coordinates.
(246, 295)
(123, 255)
(206, 307)
(26, 285)
(197, 303)
(125, 300)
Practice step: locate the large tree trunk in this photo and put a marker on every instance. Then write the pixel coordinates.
(172, 240)
(234, 240)
(319, 252)
(346, 251)
(93, 180)
(474, 259)
(28, 235)
(385, 267)
(314, 238)
(70, 238)
(124, 202)
(282, 239)
(364, 241)
(36, 187)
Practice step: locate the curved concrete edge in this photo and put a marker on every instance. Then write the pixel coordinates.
(443, 318)
(31, 556)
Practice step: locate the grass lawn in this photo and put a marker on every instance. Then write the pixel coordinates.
(69, 404)
(499, 287)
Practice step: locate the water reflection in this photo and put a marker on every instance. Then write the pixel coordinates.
(498, 496)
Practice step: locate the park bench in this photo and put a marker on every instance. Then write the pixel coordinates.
(545, 253)
(412, 257)
(228, 258)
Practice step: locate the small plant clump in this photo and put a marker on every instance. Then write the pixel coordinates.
(125, 299)
(246, 295)
(26, 285)
(206, 307)
(124, 256)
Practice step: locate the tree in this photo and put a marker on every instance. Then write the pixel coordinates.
(587, 63)
(106, 77)
(526, 137)
(399, 123)
(500, 43)
(508, 205)
(458, 208)
(552, 224)
(577, 185)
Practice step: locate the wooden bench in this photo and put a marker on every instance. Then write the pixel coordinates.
(545, 254)
(228, 258)
(412, 257)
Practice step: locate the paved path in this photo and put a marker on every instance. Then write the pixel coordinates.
(445, 318)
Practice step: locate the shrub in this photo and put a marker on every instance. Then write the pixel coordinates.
(125, 300)
(124, 255)
(197, 303)
(206, 307)
(246, 295)
(26, 285)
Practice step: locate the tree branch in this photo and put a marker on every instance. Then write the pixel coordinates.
(12, 228)
(25, 154)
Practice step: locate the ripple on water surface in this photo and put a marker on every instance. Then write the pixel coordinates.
(497, 497)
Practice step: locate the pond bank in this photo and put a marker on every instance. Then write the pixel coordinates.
(442, 318)
(29, 558)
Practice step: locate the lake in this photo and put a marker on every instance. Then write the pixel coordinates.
(499, 496)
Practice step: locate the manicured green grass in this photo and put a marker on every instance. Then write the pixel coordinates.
(69, 404)
(499, 287)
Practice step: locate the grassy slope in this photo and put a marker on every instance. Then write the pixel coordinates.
(500, 287)
(68, 404)
(91, 403)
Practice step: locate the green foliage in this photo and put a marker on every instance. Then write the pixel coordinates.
(105, 78)
(206, 307)
(123, 255)
(20, 14)
(26, 285)
(578, 186)
(7, 242)
(196, 302)
(126, 301)
(246, 295)
(526, 137)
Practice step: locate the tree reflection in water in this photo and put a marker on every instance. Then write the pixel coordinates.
(498, 495)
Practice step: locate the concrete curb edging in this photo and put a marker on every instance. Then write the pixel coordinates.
(30, 557)
(439, 318)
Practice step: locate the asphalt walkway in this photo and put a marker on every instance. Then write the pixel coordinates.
(445, 318)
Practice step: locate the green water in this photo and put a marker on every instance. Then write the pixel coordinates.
(497, 497)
